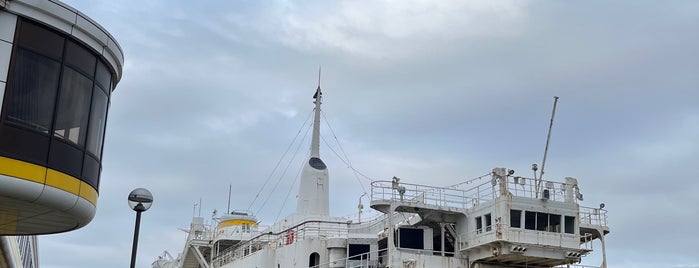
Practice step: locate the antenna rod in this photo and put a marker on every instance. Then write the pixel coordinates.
(199, 207)
(548, 138)
(230, 186)
(319, 67)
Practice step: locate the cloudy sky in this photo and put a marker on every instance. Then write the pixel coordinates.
(434, 92)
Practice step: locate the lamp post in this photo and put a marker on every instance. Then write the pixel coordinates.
(140, 200)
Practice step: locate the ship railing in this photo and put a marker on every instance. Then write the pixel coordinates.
(576, 266)
(300, 232)
(363, 260)
(467, 198)
(419, 194)
(531, 188)
(593, 216)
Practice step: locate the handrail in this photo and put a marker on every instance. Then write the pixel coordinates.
(286, 237)
(466, 198)
(593, 216)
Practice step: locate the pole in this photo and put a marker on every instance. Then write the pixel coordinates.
(546, 150)
(135, 239)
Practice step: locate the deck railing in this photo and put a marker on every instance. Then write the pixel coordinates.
(454, 197)
(300, 232)
(593, 216)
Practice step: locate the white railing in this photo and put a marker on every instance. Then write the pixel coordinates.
(593, 216)
(576, 266)
(466, 198)
(419, 194)
(300, 232)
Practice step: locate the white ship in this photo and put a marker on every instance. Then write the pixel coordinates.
(496, 220)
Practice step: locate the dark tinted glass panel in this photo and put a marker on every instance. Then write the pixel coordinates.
(570, 224)
(554, 223)
(542, 221)
(515, 218)
(24, 145)
(65, 158)
(32, 91)
(103, 76)
(80, 58)
(479, 224)
(488, 222)
(412, 238)
(73, 107)
(316, 163)
(530, 220)
(41, 40)
(98, 119)
(358, 251)
(91, 171)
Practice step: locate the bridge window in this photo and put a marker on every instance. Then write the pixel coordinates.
(569, 224)
(479, 225)
(488, 222)
(541, 221)
(530, 220)
(515, 218)
(358, 251)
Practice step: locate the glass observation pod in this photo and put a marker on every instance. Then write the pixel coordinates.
(58, 69)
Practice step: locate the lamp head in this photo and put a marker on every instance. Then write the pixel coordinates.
(140, 199)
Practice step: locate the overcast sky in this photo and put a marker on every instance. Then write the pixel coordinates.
(434, 92)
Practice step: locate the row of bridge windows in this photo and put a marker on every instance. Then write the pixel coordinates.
(539, 221)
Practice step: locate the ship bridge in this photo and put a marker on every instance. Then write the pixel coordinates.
(504, 221)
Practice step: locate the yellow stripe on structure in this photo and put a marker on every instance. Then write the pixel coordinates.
(23, 170)
(63, 181)
(234, 222)
(46, 176)
(88, 193)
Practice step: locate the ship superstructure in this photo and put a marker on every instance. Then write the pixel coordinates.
(496, 220)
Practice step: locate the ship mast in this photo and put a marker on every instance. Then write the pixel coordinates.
(315, 139)
(313, 197)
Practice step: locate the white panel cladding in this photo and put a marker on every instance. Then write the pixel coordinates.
(115, 57)
(48, 12)
(70, 21)
(7, 29)
(57, 199)
(5, 53)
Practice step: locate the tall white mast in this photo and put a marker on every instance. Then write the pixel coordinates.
(315, 139)
(314, 186)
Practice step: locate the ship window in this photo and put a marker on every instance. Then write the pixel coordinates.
(317, 163)
(530, 220)
(411, 238)
(314, 259)
(488, 223)
(479, 225)
(515, 218)
(570, 224)
(358, 251)
(542, 220)
(554, 223)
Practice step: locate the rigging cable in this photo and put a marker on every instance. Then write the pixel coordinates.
(348, 163)
(298, 175)
(284, 172)
(469, 181)
(280, 160)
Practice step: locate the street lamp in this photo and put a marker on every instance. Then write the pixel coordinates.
(140, 200)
